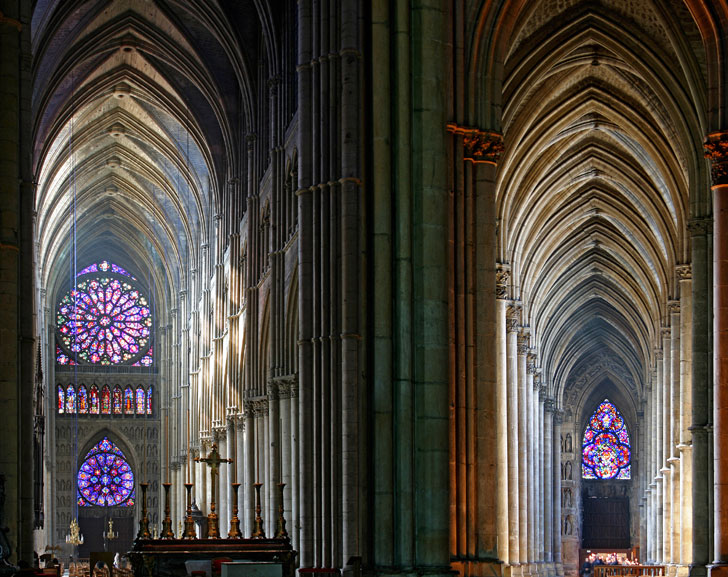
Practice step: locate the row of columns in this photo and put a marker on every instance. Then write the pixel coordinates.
(666, 477)
(529, 526)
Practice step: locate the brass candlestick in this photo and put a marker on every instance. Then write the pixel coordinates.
(190, 532)
(234, 532)
(167, 532)
(281, 532)
(258, 531)
(144, 521)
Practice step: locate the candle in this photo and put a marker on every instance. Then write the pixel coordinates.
(188, 445)
(235, 454)
(166, 426)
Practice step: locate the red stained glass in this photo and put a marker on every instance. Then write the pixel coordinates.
(93, 400)
(105, 400)
(606, 450)
(104, 320)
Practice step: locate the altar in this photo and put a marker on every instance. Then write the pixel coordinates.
(168, 557)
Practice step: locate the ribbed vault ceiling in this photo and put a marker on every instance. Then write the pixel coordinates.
(136, 107)
(602, 138)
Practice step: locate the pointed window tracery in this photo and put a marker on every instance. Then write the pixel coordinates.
(606, 452)
(105, 478)
(105, 400)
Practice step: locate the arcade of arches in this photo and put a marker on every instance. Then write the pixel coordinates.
(454, 271)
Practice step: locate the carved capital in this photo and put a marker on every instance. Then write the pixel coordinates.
(673, 306)
(684, 271)
(502, 274)
(523, 339)
(479, 145)
(558, 416)
(700, 226)
(531, 365)
(658, 354)
(716, 149)
(513, 318)
(665, 332)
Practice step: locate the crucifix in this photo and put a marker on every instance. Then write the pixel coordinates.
(213, 461)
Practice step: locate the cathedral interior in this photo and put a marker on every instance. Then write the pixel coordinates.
(446, 281)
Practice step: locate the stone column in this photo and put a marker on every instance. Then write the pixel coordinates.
(684, 273)
(701, 229)
(523, 446)
(666, 446)
(717, 149)
(548, 479)
(16, 288)
(556, 476)
(531, 479)
(673, 457)
(502, 276)
(512, 323)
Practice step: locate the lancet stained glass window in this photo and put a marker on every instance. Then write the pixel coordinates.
(117, 400)
(61, 399)
(129, 401)
(606, 452)
(105, 320)
(141, 401)
(105, 478)
(105, 400)
(93, 400)
(82, 400)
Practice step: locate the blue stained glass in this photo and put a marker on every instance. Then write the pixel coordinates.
(141, 399)
(61, 399)
(105, 478)
(105, 321)
(149, 400)
(70, 399)
(606, 450)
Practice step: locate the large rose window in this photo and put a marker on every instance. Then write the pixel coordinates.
(106, 321)
(105, 478)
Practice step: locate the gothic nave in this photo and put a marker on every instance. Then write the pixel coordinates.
(454, 272)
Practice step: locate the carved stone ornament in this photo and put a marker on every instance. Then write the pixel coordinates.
(502, 275)
(523, 339)
(513, 318)
(673, 306)
(701, 226)
(716, 149)
(684, 271)
(479, 145)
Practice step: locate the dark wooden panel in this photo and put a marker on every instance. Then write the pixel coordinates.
(606, 523)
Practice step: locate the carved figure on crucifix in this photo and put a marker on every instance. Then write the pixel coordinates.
(213, 461)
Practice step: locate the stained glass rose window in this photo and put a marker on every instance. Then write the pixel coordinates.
(105, 478)
(104, 320)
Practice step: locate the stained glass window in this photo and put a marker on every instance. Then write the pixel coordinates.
(149, 400)
(93, 400)
(61, 398)
(105, 477)
(117, 400)
(129, 401)
(104, 320)
(104, 266)
(605, 449)
(105, 400)
(141, 401)
(70, 399)
(82, 400)
(62, 358)
(146, 360)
